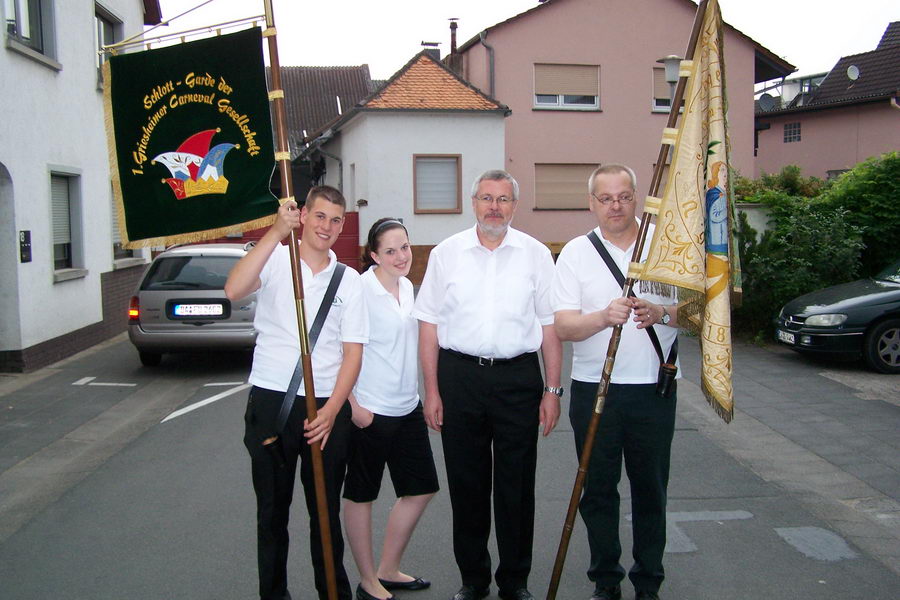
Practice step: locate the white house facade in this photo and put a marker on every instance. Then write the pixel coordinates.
(62, 272)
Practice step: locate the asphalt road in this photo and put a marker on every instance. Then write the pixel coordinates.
(101, 497)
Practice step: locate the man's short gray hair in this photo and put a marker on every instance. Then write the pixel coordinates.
(497, 175)
(611, 168)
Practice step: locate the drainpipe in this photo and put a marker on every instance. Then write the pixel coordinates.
(490, 50)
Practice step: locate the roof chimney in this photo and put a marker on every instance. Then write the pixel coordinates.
(432, 50)
(453, 26)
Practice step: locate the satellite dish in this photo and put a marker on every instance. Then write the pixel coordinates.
(852, 72)
(766, 102)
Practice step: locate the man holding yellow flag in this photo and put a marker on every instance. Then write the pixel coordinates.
(639, 420)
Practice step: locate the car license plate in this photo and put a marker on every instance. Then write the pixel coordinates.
(198, 310)
(785, 336)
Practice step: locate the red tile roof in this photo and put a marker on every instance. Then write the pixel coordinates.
(426, 84)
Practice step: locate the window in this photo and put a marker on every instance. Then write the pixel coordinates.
(662, 93)
(106, 32)
(791, 132)
(29, 27)
(436, 183)
(561, 186)
(569, 87)
(60, 199)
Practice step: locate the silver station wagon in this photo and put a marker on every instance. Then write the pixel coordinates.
(180, 304)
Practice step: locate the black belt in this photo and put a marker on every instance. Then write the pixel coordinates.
(489, 362)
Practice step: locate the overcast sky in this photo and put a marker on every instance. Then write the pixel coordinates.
(811, 34)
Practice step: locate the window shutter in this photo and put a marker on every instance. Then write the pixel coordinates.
(558, 186)
(436, 183)
(575, 80)
(59, 201)
(660, 85)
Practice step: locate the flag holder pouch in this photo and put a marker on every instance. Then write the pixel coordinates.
(665, 379)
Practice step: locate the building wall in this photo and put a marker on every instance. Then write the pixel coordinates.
(625, 38)
(53, 122)
(830, 139)
(379, 147)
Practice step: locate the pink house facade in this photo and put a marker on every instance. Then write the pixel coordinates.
(583, 83)
(851, 116)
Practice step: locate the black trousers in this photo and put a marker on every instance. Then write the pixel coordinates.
(489, 437)
(638, 425)
(274, 487)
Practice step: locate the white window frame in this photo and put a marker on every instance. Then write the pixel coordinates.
(454, 198)
(38, 40)
(564, 101)
(73, 222)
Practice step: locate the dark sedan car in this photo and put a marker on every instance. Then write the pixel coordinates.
(860, 318)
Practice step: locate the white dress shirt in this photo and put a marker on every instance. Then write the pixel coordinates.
(583, 282)
(488, 303)
(388, 383)
(278, 343)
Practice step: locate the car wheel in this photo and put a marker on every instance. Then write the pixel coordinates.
(882, 347)
(150, 359)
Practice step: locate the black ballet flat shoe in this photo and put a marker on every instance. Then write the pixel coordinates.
(362, 594)
(416, 584)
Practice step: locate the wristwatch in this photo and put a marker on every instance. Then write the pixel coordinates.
(666, 317)
(554, 390)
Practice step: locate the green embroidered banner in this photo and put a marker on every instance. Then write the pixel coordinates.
(190, 140)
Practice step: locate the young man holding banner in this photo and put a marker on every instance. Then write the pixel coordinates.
(638, 420)
(336, 359)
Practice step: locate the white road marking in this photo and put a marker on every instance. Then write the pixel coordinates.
(677, 541)
(817, 543)
(222, 384)
(83, 380)
(210, 400)
(114, 384)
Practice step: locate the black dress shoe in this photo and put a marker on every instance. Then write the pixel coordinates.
(416, 584)
(646, 595)
(519, 594)
(607, 593)
(470, 592)
(362, 594)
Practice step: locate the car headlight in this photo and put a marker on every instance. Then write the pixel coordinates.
(829, 320)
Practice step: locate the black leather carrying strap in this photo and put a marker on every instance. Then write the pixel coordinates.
(288, 403)
(620, 279)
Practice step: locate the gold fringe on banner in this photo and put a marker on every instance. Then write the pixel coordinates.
(200, 236)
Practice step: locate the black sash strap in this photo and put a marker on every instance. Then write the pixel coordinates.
(288, 402)
(620, 279)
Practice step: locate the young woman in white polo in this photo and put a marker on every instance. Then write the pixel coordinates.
(389, 424)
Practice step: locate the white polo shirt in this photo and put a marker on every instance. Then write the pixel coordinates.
(278, 342)
(488, 303)
(583, 282)
(388, 383)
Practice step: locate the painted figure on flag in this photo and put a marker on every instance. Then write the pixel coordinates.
(717, 211)
(195, 167)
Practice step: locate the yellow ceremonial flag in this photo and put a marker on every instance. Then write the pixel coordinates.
(692, 247)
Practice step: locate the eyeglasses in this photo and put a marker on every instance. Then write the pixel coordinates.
(487, 200)
(621, 199)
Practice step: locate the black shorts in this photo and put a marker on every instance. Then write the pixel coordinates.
(402, 444)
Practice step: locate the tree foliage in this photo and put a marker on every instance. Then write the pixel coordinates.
(870, 192)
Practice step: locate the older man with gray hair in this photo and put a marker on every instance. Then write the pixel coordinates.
(484, 311)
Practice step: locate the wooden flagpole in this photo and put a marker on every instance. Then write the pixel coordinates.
(283, 156)
(613, 348)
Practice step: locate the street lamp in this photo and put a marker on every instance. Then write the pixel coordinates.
(673, 65)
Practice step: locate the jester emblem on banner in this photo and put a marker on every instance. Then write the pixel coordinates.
(693, 247)
(190, 140)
